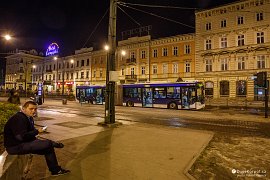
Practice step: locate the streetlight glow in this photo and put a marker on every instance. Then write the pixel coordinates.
(7, 37)
(72, 61)
(123, 52)
(55, 58)
(106, 47)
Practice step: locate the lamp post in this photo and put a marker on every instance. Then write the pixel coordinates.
(56, 76)
(110, 86)
(34, 68)
(73, 77)
(63, 76)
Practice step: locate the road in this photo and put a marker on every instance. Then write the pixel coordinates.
(221, 121)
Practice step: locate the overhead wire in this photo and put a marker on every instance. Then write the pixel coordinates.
(158, 6)
(129, 16)
(152, 14)
(95, 28)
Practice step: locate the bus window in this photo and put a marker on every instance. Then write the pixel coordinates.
(132, 92)
(173, 92)
(159, 93)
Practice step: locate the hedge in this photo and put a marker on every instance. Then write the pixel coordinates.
(6, 111)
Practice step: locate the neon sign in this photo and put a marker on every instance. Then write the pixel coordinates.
(52, 49)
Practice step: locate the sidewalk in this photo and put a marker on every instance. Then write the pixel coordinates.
(130, 151)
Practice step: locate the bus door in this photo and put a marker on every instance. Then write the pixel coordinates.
(99, 97)
(185, 97)
(147, 97)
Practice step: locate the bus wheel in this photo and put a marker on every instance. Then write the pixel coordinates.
(130, 104)
(172, 105)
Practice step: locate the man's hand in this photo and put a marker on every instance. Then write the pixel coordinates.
(41, 130)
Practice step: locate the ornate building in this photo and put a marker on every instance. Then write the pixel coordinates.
(233, 44)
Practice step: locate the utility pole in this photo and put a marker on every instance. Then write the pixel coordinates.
(110, 85)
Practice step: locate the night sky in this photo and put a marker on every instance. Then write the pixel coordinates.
(37, 23)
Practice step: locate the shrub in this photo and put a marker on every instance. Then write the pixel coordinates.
(6, 111)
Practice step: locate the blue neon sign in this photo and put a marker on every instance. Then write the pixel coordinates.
(52, 49)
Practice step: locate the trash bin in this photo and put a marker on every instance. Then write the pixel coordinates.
(64, 101)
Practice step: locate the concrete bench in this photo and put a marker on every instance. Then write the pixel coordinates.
(14, 167)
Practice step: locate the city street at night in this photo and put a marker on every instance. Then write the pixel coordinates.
(219, 144)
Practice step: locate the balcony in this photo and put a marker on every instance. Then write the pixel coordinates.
(20, 71)
(131, 78)
(20, 80)
(131, 61)
(48, 70)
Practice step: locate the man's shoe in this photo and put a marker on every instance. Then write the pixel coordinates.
(58, 145)
(60, 172)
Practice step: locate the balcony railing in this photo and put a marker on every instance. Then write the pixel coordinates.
(131, 77)
(131, 60)
(20, 80)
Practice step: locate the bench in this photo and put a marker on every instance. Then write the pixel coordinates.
(14, 167)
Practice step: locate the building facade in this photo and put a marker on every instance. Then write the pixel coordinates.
(233, 44)
(19, 69)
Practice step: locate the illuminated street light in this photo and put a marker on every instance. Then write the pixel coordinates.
(7, 37)
(106, 47)
(123, 52)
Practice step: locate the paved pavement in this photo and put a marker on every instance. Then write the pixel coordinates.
(129, 151)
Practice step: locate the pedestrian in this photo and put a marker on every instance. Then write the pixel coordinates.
(20, 138)
(14, 98)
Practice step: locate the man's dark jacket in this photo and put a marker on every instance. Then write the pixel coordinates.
(19, 129)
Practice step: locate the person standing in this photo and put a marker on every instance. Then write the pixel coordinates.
(14, 98)
(20, 138)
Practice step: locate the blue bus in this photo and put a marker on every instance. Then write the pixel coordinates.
(179, 95)
(91, 94)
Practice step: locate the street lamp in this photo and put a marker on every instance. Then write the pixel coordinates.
(56, 76)
(7, 37)
(34, 67)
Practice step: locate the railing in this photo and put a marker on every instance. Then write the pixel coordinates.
(131, 77)
(131, 60)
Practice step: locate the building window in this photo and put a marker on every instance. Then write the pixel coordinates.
(165, 68)
(143, 54)
(100, 72)
(122, 72)
(241, 40)
(132, 55)
(187, 67)
(208, 26)
(223, 23)
(82, 63)
(132, 71)
(261, 62)
(260, 37)
(164, 51)
(82, 75)
(78, 64)
(224, 88)
(71, 75)
(187, 49)
(241, 63)
(154, 69)
(208, 64)
(143, 70)
(175, 68)
(209, 89)
(87, 74)
(175, 51)
(87, 62)
(240, 20)
(155, 53)
(241, 88)
(223, 42)
(224, 64)
(259, 16)
(208, 44)
(94, 73)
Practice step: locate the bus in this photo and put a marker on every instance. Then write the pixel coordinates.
(179, 95)
(91, 94)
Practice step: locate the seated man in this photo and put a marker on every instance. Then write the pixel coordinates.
(20, 138)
